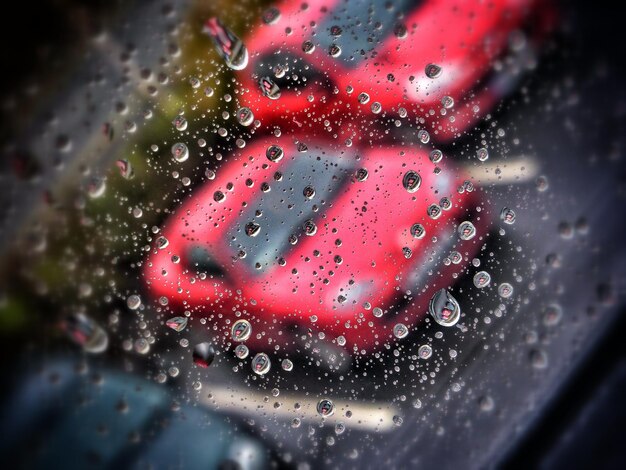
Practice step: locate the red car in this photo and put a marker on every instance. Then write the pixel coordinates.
(313, 235)
(442, 63)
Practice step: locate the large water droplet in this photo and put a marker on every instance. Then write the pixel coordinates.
(482, 279)
(274, 153)
(325, 407)
(444, 308)
(411, 181)
(433, 71)
(242, 351)
(507, 215)
(245, 117)
(133, 302)
(86, 333)
(466, 230)
(261, 364)
(180, 152)
(241, 330)
(229, 46)
(177, 324)
(425, 351)
(271, 16)
(269, 88)
(203, 354)
(400, 330)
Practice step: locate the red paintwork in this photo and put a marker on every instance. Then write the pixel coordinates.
(371, 248)
(463, 37)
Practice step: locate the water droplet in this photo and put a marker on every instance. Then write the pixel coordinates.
(456, 257)
(274, 153)
(241, 330)
(507, 215)
(245, 117)
(203, 354)
(411, 181)
(423, 136)
(252, 229)
(130, 127)
(552, 315)
(126, 169)
(436, 156)
(287, 365)
(444, 308)
(228, 46)
(162, 243)
(334, 50)
(309, 192)
(242, 351)
(96, 187)
(363, 98)
(542, 183)
(308, 47)
(361, 174)
(86, 333)
(180, 152)
(269, 88)
(433, 71)
(434, 211)
(195, 82)
(539, 359)
(445, 203)
(271, 16)
(310, 228)
(219, 196)
(466, 230)
(482, 279)
(425, 351)
(482, 154)
(447, 102)
(505, 290)
(177, 324)
(261, 364)
(142, 346)
(180, 123)
(279, 71)
(418, 231)
(400, 31)
(486, 403)
(325, 407)
(133, 302)
(400, 330)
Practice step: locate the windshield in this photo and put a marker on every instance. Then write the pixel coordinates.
(322, 234)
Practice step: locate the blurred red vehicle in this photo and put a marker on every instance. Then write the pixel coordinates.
(315, 239)
(348, 61)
